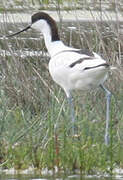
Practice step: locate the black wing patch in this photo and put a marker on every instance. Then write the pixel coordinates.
(80, 61)
(81, 51)
(104, 64)
(85, 51)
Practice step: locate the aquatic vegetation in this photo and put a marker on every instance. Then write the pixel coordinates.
(34, 116)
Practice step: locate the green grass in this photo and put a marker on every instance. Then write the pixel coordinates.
(35, 126)
(44, 140)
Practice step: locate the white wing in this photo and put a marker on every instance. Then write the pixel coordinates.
(74, 60)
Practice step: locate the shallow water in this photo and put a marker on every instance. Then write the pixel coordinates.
(72, 177)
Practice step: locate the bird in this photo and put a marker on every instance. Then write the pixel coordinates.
(71, 68)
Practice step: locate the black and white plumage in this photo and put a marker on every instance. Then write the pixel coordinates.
(69, 67)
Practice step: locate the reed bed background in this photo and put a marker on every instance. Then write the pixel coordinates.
(35, 127)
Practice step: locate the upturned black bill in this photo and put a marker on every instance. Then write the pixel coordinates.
(25, 29)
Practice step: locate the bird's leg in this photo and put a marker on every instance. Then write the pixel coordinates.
(72, 113)
(108, 100)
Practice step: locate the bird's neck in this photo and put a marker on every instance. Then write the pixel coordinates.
(52, 41)
(54, 47)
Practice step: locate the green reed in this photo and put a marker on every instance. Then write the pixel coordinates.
(35, 126)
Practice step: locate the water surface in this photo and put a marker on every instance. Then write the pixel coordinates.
(72, 177)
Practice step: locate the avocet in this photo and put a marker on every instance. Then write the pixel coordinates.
(69, 67)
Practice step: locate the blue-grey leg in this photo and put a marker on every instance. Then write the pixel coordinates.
(72, 113)
(108, 100)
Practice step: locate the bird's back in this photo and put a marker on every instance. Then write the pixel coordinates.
(78, 69)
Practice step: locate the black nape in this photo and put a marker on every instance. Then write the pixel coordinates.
(50, 21)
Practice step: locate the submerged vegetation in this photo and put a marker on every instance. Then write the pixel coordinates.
(35, 127)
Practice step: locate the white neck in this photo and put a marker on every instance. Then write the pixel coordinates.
(53, 47)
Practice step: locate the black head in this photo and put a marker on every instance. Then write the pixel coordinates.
(42, 16)
(50, 21)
